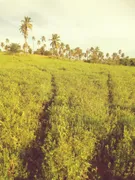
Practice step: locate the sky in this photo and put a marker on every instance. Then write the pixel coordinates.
(109, 24)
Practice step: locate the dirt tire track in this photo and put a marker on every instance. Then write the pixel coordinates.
(34, 156)
(110, 86)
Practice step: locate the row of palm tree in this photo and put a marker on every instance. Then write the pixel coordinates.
(63, 50)
(58, 48)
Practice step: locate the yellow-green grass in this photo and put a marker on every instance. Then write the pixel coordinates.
(69, 113)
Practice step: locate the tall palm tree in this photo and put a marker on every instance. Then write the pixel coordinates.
(33, 39)
(38, 43)
(55, 42)
(25, 27)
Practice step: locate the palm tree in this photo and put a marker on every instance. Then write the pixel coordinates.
(87, 54)
(2, 45)
(114, 56)
(38, 43)
(7, 41)
(25, 27)
(62, 45)
(55, 42)
(33, 38)
(67, 50)
(97, 49)
(43, 39)
(119, 52)
(72, 52)
(94, 54)
(91, 49)
(78, 52)
(44, 46)
(107, 55)
(61, 50)
(101, 56)
(122, 55)
(25, 46)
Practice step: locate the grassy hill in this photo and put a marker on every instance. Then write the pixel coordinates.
(66, 120)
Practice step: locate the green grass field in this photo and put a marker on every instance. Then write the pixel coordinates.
(66, 120)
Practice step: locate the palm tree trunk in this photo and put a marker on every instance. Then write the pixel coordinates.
(33, 47)
(25, 43)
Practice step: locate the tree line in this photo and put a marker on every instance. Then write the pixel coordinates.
(61, 50)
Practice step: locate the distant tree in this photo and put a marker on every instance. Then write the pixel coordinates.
(97, 49)
(107, 55)
(91, 49)
(25, 27)
(14, 48)
(101, 56)
(119, 52)
(107, 58)
(29, 50)
(44, 46)
(38, 43)
(72, 52)
(94, 54)
(122, 55)
(7, 47)
(42, 51)
(25, 46)
(2, 45)
(47, 53)
(43, 39)
(55, 42)
(78, 53)
(67, 50)
(87, 53)
(7, 41)
(33, 38)
(61, 49)
(114, 56)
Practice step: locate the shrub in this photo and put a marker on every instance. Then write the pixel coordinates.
(14, 48)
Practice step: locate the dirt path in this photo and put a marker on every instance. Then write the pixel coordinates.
(34, 156)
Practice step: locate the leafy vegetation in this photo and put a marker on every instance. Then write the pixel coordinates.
(66, 119)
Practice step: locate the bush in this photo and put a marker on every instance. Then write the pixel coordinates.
(41, 51)
(14, 48)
